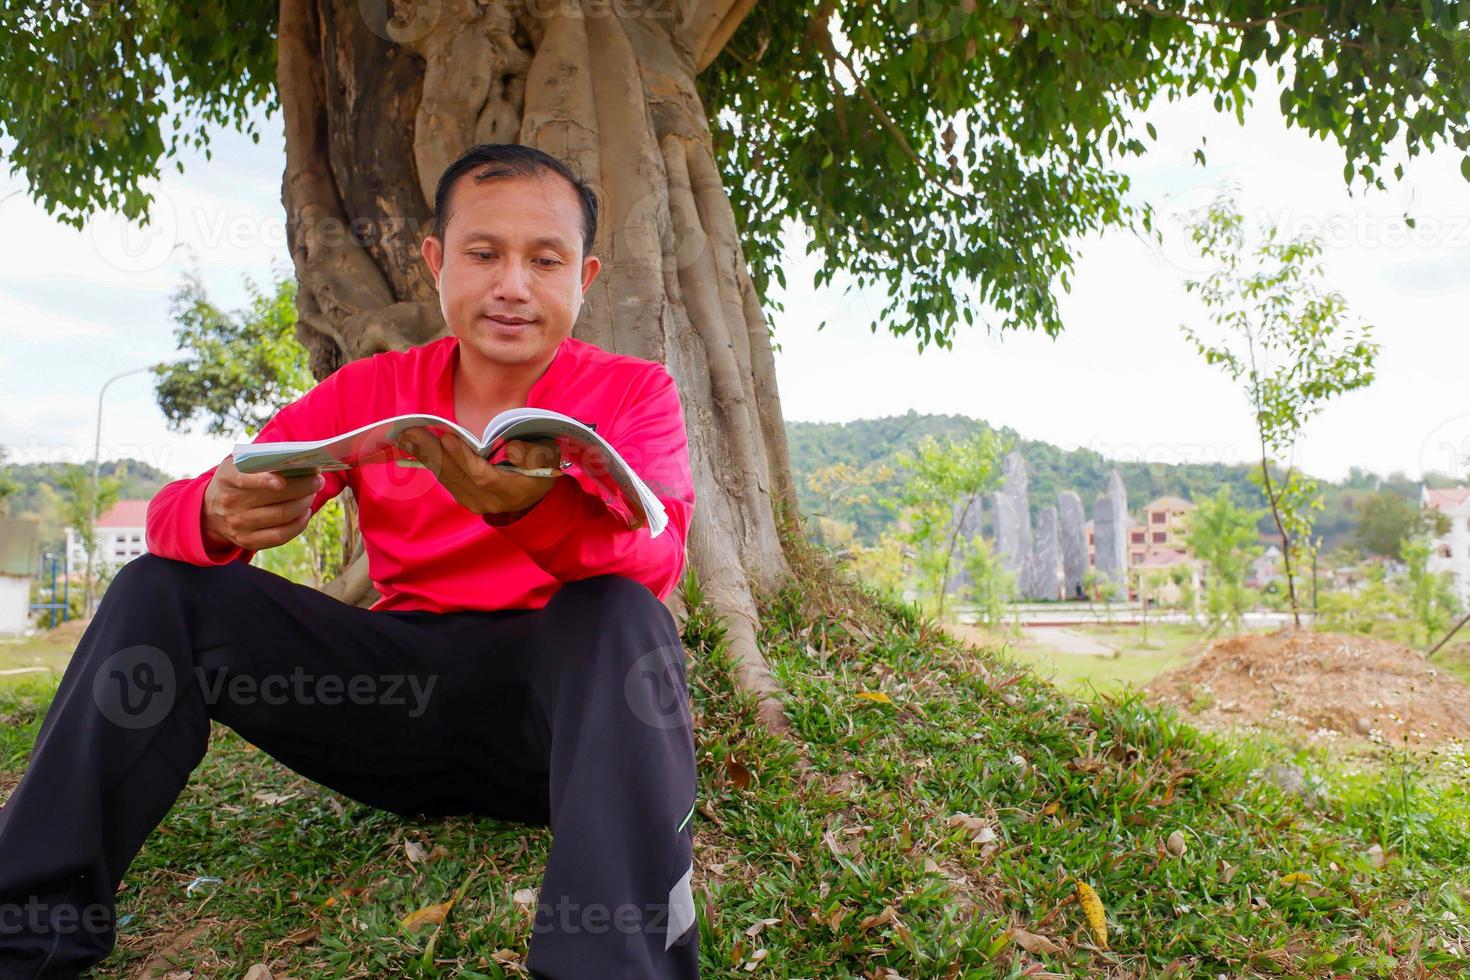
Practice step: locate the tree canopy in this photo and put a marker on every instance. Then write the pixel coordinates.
(948, 151)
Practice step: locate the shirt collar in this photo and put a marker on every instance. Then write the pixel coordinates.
(561, 360)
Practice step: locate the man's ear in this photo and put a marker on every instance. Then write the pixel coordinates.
(590, 266)
(433, 252)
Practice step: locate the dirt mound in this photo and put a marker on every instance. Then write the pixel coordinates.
(1323, 683)
(70, 631)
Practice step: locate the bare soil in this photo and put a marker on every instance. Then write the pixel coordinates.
(1323, 684)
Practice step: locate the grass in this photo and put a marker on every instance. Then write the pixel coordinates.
(1455, 658)
(45, 648)
(1139, 658)
(930, 798)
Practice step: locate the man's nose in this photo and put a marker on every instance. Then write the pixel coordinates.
(512, 281)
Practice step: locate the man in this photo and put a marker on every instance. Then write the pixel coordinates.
(519, 664)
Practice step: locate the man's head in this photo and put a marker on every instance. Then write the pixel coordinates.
(511, 251)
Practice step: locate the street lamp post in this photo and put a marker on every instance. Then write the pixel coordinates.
(96, 479)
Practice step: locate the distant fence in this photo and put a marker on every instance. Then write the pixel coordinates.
(1118, 613)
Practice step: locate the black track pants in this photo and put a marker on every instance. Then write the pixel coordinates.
(574, 716)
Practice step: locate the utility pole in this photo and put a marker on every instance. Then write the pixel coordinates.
(96, 483)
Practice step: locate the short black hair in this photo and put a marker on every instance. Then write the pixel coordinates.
(488, 161)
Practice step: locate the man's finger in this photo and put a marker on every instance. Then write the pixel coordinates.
(423, 446)
(460, 461)
(273, 537)
(300, 486)
(274, 515)
(532, 455)
(270, 481)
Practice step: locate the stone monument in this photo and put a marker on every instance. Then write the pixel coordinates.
(1072, 536)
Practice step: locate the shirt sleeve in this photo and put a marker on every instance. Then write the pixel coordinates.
(175, 523)
(581, 528)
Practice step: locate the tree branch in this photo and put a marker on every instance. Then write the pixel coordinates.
(710, 26)
(898, 134)
(1274, 20)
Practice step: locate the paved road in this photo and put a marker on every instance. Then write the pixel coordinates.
(1064, 640)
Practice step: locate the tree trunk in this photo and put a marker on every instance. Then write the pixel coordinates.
(375, 110)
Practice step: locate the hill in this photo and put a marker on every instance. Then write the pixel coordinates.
(869, 443)
(39, 492)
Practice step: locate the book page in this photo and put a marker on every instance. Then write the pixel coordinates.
(361, 445)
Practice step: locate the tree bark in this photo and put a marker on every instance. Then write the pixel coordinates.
(374, 110)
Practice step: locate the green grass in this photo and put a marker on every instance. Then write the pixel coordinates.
(44, 648)
(851, 836)
(1455, 658)
(1140, 659)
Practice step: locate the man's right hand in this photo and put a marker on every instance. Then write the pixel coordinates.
(255, 511)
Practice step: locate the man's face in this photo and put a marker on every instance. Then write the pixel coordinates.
(510, 269)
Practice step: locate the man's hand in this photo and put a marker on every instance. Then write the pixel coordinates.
(255, 511)
(481, 486)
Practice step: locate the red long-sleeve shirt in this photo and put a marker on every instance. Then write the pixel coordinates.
(425, 550)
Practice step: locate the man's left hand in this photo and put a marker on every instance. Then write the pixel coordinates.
(478, 485)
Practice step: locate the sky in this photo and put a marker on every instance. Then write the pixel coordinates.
(80, 306)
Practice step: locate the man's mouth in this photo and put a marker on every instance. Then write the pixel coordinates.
(510, 321)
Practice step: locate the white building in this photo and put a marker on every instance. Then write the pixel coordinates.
(1265, 568)
(120, 536)
(1450, 552)
(18, 542)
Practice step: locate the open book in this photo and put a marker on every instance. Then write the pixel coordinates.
(377, 441)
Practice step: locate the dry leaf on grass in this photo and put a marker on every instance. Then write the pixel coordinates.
(273, 799)
(303, 936)
(888, 916)
(1097, 918)
(738, 773)
(1034, 944)
(435, 914)
(428, 915)
(758, 925)
(978, 827)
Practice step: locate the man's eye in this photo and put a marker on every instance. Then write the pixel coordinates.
(549, 262)
(483, 255)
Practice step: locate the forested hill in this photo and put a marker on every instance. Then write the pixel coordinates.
(867, 444)
(39, 491)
